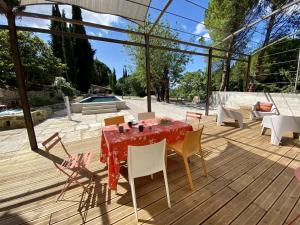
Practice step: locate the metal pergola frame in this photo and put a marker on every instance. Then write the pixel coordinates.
(12, 28)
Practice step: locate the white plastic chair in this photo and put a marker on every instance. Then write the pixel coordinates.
(146, 115)
(146, 160)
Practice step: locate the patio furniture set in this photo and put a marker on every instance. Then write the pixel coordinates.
(143, 144)
(278, 124)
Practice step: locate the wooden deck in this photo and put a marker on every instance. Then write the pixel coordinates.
(250, 182)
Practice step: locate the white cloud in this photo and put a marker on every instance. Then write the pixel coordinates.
(184, 26)
(88, 16)
(200, 29)
(206, 35)
(103, 19)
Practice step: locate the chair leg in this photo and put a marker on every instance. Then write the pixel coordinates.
(64, 189)
(166, 156)
(133, 198)
(203, 162)
(187, 168)
(167, 187)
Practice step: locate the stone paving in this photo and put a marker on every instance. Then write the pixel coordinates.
(85, 126)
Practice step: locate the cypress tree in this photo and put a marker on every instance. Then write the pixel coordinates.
(125, 72)
(56, 40)
(68, 53)
(83, 54)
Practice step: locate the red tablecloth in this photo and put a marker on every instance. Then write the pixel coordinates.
(114, 145)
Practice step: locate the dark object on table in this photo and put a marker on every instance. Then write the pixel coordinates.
(130, 124)
(141, 128)
(121, 129)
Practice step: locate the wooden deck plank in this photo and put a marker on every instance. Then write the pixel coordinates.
(250, 181)
(228, 213)
(282, 208)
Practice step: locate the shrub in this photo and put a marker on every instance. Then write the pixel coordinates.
(64, 86)
(42, 101)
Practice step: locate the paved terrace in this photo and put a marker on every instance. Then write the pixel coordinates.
(250, 182)
(84, 126)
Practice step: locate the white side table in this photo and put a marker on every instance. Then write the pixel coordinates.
(280, 124)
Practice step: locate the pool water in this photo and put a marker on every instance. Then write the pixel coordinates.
(10, 112)
(100, 99)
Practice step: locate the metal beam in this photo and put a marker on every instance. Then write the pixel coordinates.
(160, 15)
(148, 78)
(116, 41)
(274, 42)
(78, 22)
(297, 75)
(247, 74)
(21, 79)
(258, 21)
(208, 81)
(75, 35)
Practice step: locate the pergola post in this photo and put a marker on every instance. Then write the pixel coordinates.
(297, 73)
(208, 81)
(20, 79)
(247, 73)
(147, 59)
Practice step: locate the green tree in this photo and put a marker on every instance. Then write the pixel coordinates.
(83, 54)
(277, 26)
(103, 74)
(224, 17)
(191, 84)
(166, 67)
(68, 52)
(57, 40)
(39, 63)
(277, 70)
(113, 80)
(125, 71)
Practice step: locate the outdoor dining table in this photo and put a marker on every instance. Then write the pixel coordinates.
(114, 145)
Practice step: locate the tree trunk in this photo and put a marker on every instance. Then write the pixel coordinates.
(261, 54)
(226, 67)
(162, 92)
(166, 88)
(167, 91)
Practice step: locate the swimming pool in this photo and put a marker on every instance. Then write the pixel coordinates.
(99, 99)
(10, 112)
(96, 102)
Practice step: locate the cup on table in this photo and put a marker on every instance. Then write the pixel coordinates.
(121, 129)
(141, 128)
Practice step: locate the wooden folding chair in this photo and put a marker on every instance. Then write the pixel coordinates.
(193, 115)
(72, 165)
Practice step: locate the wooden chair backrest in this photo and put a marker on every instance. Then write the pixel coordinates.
(146, 115)
(192, 141)
(51, 142)
(114, 120)
(193, 115)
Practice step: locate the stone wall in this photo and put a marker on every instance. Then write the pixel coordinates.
(12, 99)
(17, 120)
(287, 103)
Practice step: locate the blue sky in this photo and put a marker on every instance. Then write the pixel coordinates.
(115, 55)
